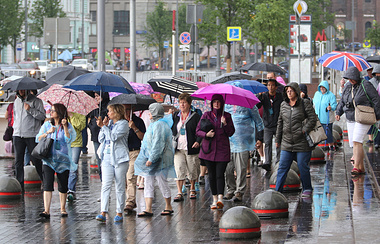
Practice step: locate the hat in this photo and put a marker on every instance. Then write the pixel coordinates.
(352, 73)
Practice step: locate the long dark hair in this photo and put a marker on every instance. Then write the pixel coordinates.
(61, 111)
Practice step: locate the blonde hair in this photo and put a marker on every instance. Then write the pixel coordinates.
(118, 109)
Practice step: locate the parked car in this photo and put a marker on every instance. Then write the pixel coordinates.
(189, 63)
(224, 66)
(44, 65)
(83, 63)
(32, 68)
(203, 63)
(54, 64)
(7, 70)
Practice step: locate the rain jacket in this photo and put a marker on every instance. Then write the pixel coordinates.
(220, 143)
(245, 121)
(28, 123)
(157, 146)
(270, 118)
(118, 137)
(94, 128)
(322, 101)
(78, 121)
(61, 159)
(292, 125)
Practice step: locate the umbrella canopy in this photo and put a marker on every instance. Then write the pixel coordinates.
(175, 80)
(280, 80)
(231, 76)
(64, 73)
(65, 55)
(100, 82)
(263, 67)
(170, 89)
(24, 83)
(75, 101)
(201, 84)
(374, 59)
(341, 61)
(138, 101)
(232, 95)
(140, 88)
(251, 85)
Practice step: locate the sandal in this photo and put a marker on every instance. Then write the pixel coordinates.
(193, 194)
(219, 205)
(356, 171)
(45, 215)
(145, 214)
(167, 212)
(352, 162)
(178, 198)
(248, 174)
(213, 206)
(64, 214)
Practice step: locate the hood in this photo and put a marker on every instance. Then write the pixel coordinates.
(352, 73)
(325, 84)
(303, 88)
(376, 69)
(221, 99)
(295, 86)
(157, 111)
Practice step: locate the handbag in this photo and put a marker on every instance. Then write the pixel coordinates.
(317, 134)
(43, 149)
(8, 134)
(206, 126)
(364, 114)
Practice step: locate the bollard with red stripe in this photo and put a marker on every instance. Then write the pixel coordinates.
(337, 139)
(31, 178)
(294, 167)
(339, 130)
(317, 156)
(239, 223)
(94, 165)
(10, 188)
(292, 182)
(271, 204)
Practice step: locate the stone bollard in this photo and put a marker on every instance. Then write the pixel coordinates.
(317, 155)
(10, 188)
(239, 223)
(339, 130)
(31, 178)
(94, 165)
(337, 139)
(294, 167)
(271, 204)
(292, 182)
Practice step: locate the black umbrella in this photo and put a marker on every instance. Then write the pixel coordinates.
(64, 73)
(231, 76)
(24, 83)
(176, 80)
(138, 101)
(263, 67)
(373, 59)
(170, 89)
(60, 82)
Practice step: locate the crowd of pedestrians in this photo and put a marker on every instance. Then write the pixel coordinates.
(183, 144)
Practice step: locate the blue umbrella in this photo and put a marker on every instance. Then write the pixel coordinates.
(251, 85)
(65, 55)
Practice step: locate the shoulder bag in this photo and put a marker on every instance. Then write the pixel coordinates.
(206, 126)
(317, 134)
(43, 149)
(364, 114)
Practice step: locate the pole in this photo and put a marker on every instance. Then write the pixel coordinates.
(218, 71)
(174, 49)
(195, 40)
(82, 28)
(299, 49)
(101, 35)
(353, 25)
(56, 42)
(176, 39)
(133, 40)
(26, 30)
(233, 57)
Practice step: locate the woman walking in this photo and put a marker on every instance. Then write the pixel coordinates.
(60, 161)
(114, 153)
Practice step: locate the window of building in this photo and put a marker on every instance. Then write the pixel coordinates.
(93, 16)
(121, 22)
(368, 25)
(367, 1)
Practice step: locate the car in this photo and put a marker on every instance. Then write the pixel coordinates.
(7, 70)
(32, 68)
(189, 63)
(83, 63)
(203, 63)
(44, 65)
(224, 66)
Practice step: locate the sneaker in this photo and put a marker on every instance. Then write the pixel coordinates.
(332, 148)
(201, 180)
(267, 167)
(184, 190)
(196, 186)
(228, 196)
(118, 219)
(71, 196)
(238, 197)
(101, 218)
(306, 193)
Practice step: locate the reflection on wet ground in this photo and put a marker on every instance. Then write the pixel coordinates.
(342, 210)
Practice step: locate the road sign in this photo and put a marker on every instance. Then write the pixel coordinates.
(18, 46)
(300, 7)
(233, 33)
(166, 44)
(184, 48)
(185, 38)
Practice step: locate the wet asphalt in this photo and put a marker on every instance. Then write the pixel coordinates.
(341, 210)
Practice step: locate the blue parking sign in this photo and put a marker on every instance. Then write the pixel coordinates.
(233, 33)
(166, 44)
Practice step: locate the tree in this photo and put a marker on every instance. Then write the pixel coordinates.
(10, 23)
(205, 35)
(373, 35)
(158, 28)
(182, 25)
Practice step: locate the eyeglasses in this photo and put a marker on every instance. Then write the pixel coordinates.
(52, 111)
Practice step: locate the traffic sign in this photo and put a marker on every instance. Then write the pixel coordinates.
(166, 44)
(185, 38)
(18, 46)
(300, 7)
(184, 48)
(233, 33)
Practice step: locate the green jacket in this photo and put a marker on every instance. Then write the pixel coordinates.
(78, 121)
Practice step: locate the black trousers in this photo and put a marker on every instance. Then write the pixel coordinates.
(216, 176)
(20, 144)
(62, 180)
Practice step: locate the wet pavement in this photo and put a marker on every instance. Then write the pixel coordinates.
(342, 210)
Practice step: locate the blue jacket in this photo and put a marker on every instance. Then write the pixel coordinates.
(322, 101)
(118, 137)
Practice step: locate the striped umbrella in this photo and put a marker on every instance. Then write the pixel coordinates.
(171, 89)
(341, 61)
(175, 80)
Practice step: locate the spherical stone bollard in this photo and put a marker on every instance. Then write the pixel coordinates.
(10, 188)
(292, 182)
(271, 204)
(337, 139)
(31, 178)
(94, 165)
(317, 155)
(239, 223)
(294, 167)
(339, 130)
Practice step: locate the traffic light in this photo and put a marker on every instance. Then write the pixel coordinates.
(293, 33)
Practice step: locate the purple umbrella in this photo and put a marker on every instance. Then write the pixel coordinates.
(232, 95)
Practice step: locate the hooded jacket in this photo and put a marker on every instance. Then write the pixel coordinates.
(375, 80)
(291, 122)
(322, 101)
(271, 109)
(220, 143)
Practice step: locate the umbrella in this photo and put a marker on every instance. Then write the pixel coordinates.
(101, 82)
(65, 55)
(175, 80)
(373, 59)
(341, 61)
(75, 101)
(201, 84)
(140, 88)
(251, 85)
(64, 73)
(24, 83)
(232, 95)
(263, 67)
(138, 101)
(231, 76)
(280, 80)
(170, 89)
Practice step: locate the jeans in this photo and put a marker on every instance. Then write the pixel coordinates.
(96, 147)
(109, 174)
(73, 177)
(286, 159)
(27, 157)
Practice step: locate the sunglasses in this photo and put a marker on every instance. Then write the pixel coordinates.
(52, 111)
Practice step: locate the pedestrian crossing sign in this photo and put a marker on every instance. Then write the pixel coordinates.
(234, 34)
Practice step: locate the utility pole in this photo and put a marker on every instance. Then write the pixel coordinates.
(26, 30)
(82, 28)
(133, 40)
(101, 35)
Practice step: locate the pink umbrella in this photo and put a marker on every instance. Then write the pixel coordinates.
(144, 89)
(232, 95)
(201, 84)
(75, 101)
(280, 80)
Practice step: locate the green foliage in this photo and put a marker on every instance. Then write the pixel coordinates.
(11, 22)
(373, 34)
(43, 9)
(207, 30)
(182, 26)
